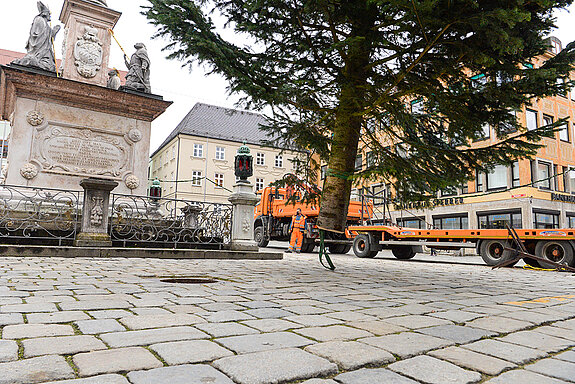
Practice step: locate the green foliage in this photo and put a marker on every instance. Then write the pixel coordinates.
(316, 63)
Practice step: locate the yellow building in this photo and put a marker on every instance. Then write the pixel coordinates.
(200, 151)
(505, 194)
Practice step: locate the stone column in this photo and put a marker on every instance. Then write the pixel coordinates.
(244, 200)
(87, 41)
(94, 232)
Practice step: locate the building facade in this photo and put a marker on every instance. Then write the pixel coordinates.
(196, 161)
(537, 193)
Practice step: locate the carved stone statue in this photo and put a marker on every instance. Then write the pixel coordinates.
(114, 81)
(40, 46)
(138, 77)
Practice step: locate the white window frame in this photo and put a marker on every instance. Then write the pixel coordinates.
(260, 158)
(198, 150)
(197, 177)
(279, 161)
(219, 180)
(498, 168)
(220, 153)
(260, 183)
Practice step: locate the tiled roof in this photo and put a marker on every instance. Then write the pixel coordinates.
(214, 122)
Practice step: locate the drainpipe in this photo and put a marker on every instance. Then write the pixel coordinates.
(177, 169)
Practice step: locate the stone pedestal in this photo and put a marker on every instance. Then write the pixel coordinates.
(244, 200)
(87, 41)
(95, 213)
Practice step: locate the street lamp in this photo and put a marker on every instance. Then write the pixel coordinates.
(243, 164)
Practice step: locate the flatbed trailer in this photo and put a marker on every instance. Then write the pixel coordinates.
(493, 245)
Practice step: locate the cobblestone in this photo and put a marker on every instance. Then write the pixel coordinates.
(286, 320)
(183, 374)
(36, 370)
(350, 355)
(433, 371)
(8, 351)
(275, 366)
(115, 360)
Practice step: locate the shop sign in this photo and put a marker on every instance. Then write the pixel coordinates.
(563, 198)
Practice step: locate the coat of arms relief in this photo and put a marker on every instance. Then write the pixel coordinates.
(88, 53)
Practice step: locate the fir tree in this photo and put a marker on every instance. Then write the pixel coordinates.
(335, 73)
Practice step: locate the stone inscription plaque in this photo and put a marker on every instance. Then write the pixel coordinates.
(81, 151)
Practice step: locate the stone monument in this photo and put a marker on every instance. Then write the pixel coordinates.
(138, 77)
(69, 128)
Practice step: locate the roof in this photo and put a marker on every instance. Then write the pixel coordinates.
(215, 122)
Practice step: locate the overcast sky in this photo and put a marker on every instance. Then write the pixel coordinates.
(168, 78)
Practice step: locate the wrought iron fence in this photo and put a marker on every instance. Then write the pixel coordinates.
(43, 215)
(160, 222)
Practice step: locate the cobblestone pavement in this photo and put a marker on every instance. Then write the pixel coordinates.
(112, 321)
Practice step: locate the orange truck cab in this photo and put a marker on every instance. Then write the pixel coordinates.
(273, 215)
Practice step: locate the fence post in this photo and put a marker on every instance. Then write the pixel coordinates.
(95, 213)
(244, 200)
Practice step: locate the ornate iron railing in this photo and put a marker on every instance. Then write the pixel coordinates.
(43, 215)
(160, 222)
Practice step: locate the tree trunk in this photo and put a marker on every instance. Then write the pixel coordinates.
(348, 122)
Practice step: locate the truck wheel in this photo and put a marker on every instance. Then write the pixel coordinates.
(558, 251)
(493, 253)
(362, 246)
(308, 246)
(259, 237)
(403, 252)
(339, 248)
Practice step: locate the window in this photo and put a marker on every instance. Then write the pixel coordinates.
(564, 132)
(172, 181)
(478, 182)
(197, 178)
(417, 106)
(570, 181)
(449, 191)
(370, 159)
(464, 188)
(323, 172)
(259, 184)
(497, 178)
(173, 152)
(545, 220)
(411, 222)
(509, 127)
(561, 83)
(198, 150)
(260, 158)
(570, 221)
(486, 131)
(279, 163)
(515, 182)
(531, 118)
(451, 222)
(358, 162)
(220, 153)
(543, 175)
(219, 180)
(547, 120)
(555, 46)
(573, 93)
(498, 220)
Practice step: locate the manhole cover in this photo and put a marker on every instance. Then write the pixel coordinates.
(189, 281)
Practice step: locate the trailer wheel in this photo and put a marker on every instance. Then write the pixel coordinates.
(403, 252)
(493, 253)
(362, 246)
(558, 251)
(341, 249)
(260, 238)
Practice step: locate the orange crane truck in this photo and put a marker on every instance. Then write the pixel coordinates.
(273, 216)
(494, 245)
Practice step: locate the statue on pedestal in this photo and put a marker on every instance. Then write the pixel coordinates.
(138, 77)
(114, 81)
(40, 45)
